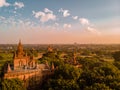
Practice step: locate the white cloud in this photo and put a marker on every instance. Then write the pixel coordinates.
(84, 21)
(4, 3)
(44, 16)
(88, 26)
(14, 12)
(75, 17)
(18, 5)
(38, 14)
(26, 23)
(47, 10)
(65, 12)
(56, 24)
(2, 18)
(11, 22)
(67, 26)
(92, 30)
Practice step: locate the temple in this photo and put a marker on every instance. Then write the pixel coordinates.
(25, 67)
(22, 61)
(74, 58)
(50, 49)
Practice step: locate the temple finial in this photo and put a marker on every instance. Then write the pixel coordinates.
(19, 41)
(20, 51)
(74, 58)
(52, 67)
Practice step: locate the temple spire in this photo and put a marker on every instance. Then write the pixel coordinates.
(20, 51)
(52, 67)
(8, 68)
(74, 58)
(50, 49)
(19, 44)
(19, 40)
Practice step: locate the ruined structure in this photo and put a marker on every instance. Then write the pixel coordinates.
(73, 61)
(25, 67)
(74, 58)
(22, 61)
(50, 49)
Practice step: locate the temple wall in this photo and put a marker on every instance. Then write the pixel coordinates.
(23, 75)
(17, 62)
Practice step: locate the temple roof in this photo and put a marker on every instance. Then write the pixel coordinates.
(20, 51)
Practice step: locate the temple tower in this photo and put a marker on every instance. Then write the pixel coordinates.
(8, 68)
(50, 49)
(20, 59)
(52, 67)
(20, 52)
(74, 58)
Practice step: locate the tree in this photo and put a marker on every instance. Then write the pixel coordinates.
(1, 57)
(116, 56)
(98, 86)
(117, 64)
(12, 84)
(64, 78)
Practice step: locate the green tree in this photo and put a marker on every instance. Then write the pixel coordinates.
(117, 64)
(64, 78)
(116, 56)
(98, 86)
(12, 84)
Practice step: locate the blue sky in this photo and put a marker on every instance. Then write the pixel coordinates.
(60, 21)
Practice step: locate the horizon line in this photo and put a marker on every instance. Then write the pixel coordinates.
(62, 43)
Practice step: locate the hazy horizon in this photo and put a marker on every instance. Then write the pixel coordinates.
(60, 22)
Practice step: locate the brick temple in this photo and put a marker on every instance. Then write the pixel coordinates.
(25, 67)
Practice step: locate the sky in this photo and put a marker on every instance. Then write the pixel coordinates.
(60, 21)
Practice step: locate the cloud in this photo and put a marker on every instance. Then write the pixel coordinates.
(11, 22)
(92, 30)
(75, 17)
(84, 21)
(25, 23)
(65, 12)
(67, 26)
(44, 16)
(14, 12)
(56, 24)
(2, 18)
(4, 3)
(47, 10)
(18, 5)
(88, 26)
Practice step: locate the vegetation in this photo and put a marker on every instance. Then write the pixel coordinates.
(94, 75)
(5, 57)
(100, 68)
(12, 84)
(116, 56)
